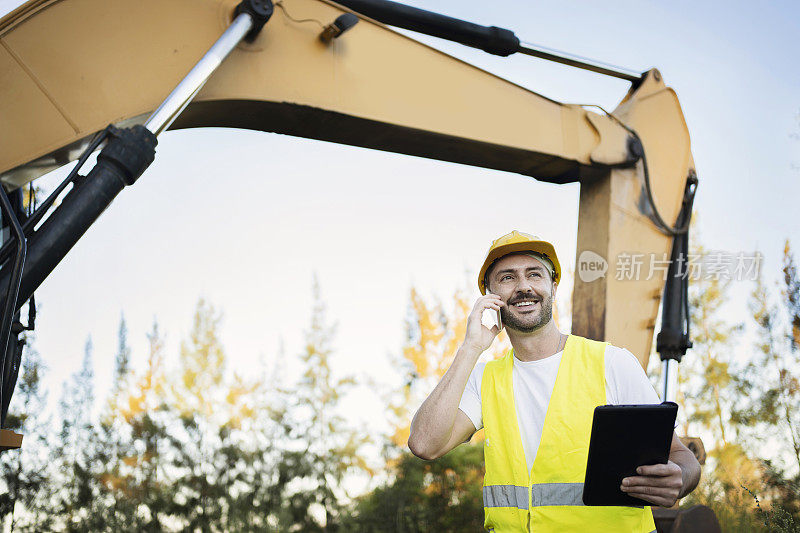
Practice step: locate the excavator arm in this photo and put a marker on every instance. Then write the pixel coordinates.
(71, 67)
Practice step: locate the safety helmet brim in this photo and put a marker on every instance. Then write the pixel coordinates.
(538, 246)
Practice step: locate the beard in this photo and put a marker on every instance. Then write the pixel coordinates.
(529, 324)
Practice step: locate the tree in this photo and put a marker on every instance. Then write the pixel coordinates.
(74, 500)
(790, 371)
(441, 495)
(328, 448)
(25, 472)
(433, 335)
(212, 448)
(133, 431)
(771, 382)
(114, 453)
(791, 294)
(196, 395)
(770, 387)
(706, 382)
(710, 399)
(122, 360)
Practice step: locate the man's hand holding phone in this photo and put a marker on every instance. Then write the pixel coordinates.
(478, 336)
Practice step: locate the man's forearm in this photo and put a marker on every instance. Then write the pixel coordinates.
(690, 470)
(433, 423)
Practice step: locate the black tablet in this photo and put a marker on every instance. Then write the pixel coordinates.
(625, 437)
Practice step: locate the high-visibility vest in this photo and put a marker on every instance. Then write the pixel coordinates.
(550, 497)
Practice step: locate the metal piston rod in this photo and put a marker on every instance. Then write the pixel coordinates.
(490, 39)
(191, 84)
(127, 153)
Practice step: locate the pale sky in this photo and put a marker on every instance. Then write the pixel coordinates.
(245, 218)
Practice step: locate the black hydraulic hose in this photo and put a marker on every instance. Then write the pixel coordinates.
(14, 352)
(128, 153)
(637, 148)
(36, 216)
(491, 39)
(11, 297)
(125, 157)
(675, 337)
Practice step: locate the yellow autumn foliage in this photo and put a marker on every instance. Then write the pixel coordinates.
(434, 333)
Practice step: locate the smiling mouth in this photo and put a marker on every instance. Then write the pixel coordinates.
(525, 305)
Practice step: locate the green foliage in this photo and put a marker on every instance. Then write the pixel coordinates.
(76, 482)
(422, 496)
(745, 402)
(194, 446)
(727, 470)
(24, 471)
(706, 378)
(330, 448)
(775, 519)
(123, 359)
(187, 448)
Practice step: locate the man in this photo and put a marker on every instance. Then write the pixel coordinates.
(536, 405)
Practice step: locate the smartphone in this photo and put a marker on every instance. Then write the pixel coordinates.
(499, 319)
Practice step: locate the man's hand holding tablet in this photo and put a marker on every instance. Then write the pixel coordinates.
(632, 460)
(657, 484)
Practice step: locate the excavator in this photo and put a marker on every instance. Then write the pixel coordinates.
(83, 78)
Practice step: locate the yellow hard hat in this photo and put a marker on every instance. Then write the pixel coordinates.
(516, 241)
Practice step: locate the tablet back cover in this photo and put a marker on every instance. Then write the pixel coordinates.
(625, 437)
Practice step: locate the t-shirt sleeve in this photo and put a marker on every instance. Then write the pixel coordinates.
(471, 399)
(626, 381)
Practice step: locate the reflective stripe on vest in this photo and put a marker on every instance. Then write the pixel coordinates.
(549, 498)
(542, 494)
(505, 496)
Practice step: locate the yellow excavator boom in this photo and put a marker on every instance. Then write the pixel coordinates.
(71, 67)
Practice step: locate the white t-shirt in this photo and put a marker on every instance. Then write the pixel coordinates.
(626, 383)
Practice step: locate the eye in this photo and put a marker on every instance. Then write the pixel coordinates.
(536, 274)
(504, 278)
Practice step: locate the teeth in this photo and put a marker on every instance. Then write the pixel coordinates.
(524, 304)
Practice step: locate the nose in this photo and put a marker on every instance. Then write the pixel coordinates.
(524, 285)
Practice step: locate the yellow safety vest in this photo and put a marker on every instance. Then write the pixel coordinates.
(549, 498)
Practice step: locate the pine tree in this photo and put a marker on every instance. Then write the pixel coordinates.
(328, 447)
(195, 442)
(74, 500)
(133, 434)
(25, 472)
(115, 452)
(123, 359)
(147, 415)
(418, 496)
